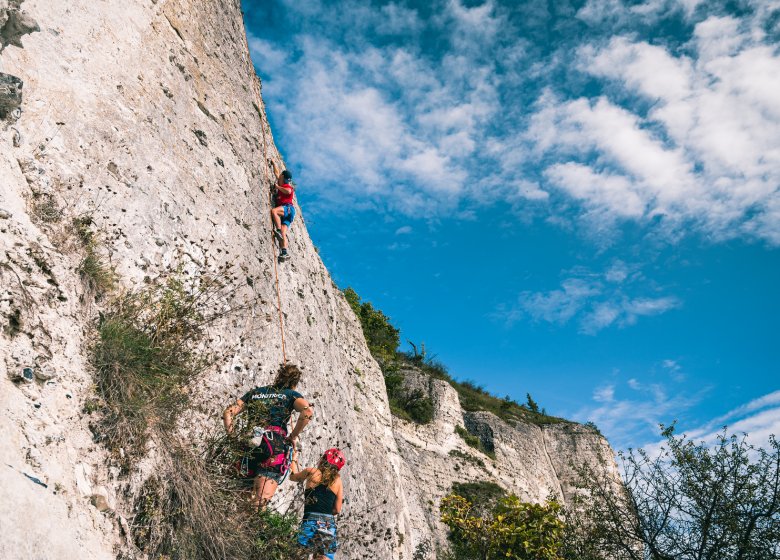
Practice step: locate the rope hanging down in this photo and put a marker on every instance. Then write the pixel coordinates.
(259, 103)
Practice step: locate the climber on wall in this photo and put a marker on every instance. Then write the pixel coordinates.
(284, 211)
(265, 439)
(323, 495)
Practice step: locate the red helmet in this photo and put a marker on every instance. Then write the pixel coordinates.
(335, 457)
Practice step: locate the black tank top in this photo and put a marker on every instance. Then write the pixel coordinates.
(319, 499)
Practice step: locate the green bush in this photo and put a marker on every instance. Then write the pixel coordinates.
(381, 336)
(99, 277)
(473, 441)
(509, 530)
(143, 359)
(484, 492)
(466, 457)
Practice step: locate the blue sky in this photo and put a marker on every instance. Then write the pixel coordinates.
(579, 200)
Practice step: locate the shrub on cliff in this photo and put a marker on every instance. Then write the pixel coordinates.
(381, 336)
(143, 359)
(509, 530)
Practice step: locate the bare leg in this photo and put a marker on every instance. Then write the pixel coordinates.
(284, 236)
(276, 214)
(262, 491)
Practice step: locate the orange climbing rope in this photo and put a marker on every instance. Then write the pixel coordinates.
(278, 292)
(270, 198)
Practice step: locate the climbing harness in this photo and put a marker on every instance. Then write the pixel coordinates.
(267, 449)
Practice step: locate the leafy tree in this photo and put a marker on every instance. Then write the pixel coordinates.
(512, 530)
(691, 501)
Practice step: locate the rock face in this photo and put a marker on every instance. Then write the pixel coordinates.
(532, 461)
(10, 95)
(147, 117)
(14, 23)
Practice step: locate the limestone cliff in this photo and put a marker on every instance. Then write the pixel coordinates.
(534, 461)
(146, 116)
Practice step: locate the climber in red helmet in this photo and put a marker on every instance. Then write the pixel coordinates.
(323, 495)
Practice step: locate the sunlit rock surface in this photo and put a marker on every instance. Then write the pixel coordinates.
(146, 116)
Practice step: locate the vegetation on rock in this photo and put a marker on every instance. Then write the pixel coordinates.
(383, 341)
(147, 351)
(473, 441)
(508, 529)
(691, 501)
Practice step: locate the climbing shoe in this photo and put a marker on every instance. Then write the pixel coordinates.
(284, 255)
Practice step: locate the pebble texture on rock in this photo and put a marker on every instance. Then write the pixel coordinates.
(147, 116)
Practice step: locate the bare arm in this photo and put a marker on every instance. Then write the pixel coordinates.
(230, 413)
(279, 180)
(305, 416)
(276, 169)
(298, 474)
(339, 499)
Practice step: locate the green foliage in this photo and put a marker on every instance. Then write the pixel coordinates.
(511, 529)
(473, 397)
(473, 441)
(383, 340)
(466, 457)
(99, 277)
(532, 406)
(418, 406)
(593, 427)
(194, 509)
(143, 358)
(483, 494)
(690, 501)
(381, 336)
(276, 537)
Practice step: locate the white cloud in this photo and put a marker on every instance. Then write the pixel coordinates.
(403, 230)
(706, 153)
(398, 20)
(604, 394)
(597, 190)
(687, 136)
(617, 272)
(758, 418)
(266, 55)
(632, 418)
(594, 300)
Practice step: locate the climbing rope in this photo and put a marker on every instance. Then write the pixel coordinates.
(270, 198)
(278, 292)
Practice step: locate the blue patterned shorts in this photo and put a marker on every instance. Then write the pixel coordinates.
(318, 534)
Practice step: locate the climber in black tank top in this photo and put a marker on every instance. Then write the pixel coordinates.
(324, 495)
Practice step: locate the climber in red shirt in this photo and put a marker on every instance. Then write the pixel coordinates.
(284, 211)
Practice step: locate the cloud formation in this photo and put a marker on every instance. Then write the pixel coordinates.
(706, 152)
(627, 412)
(594, 300)
(404, 106)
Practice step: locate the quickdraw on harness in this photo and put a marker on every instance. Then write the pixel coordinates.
(268, 449)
